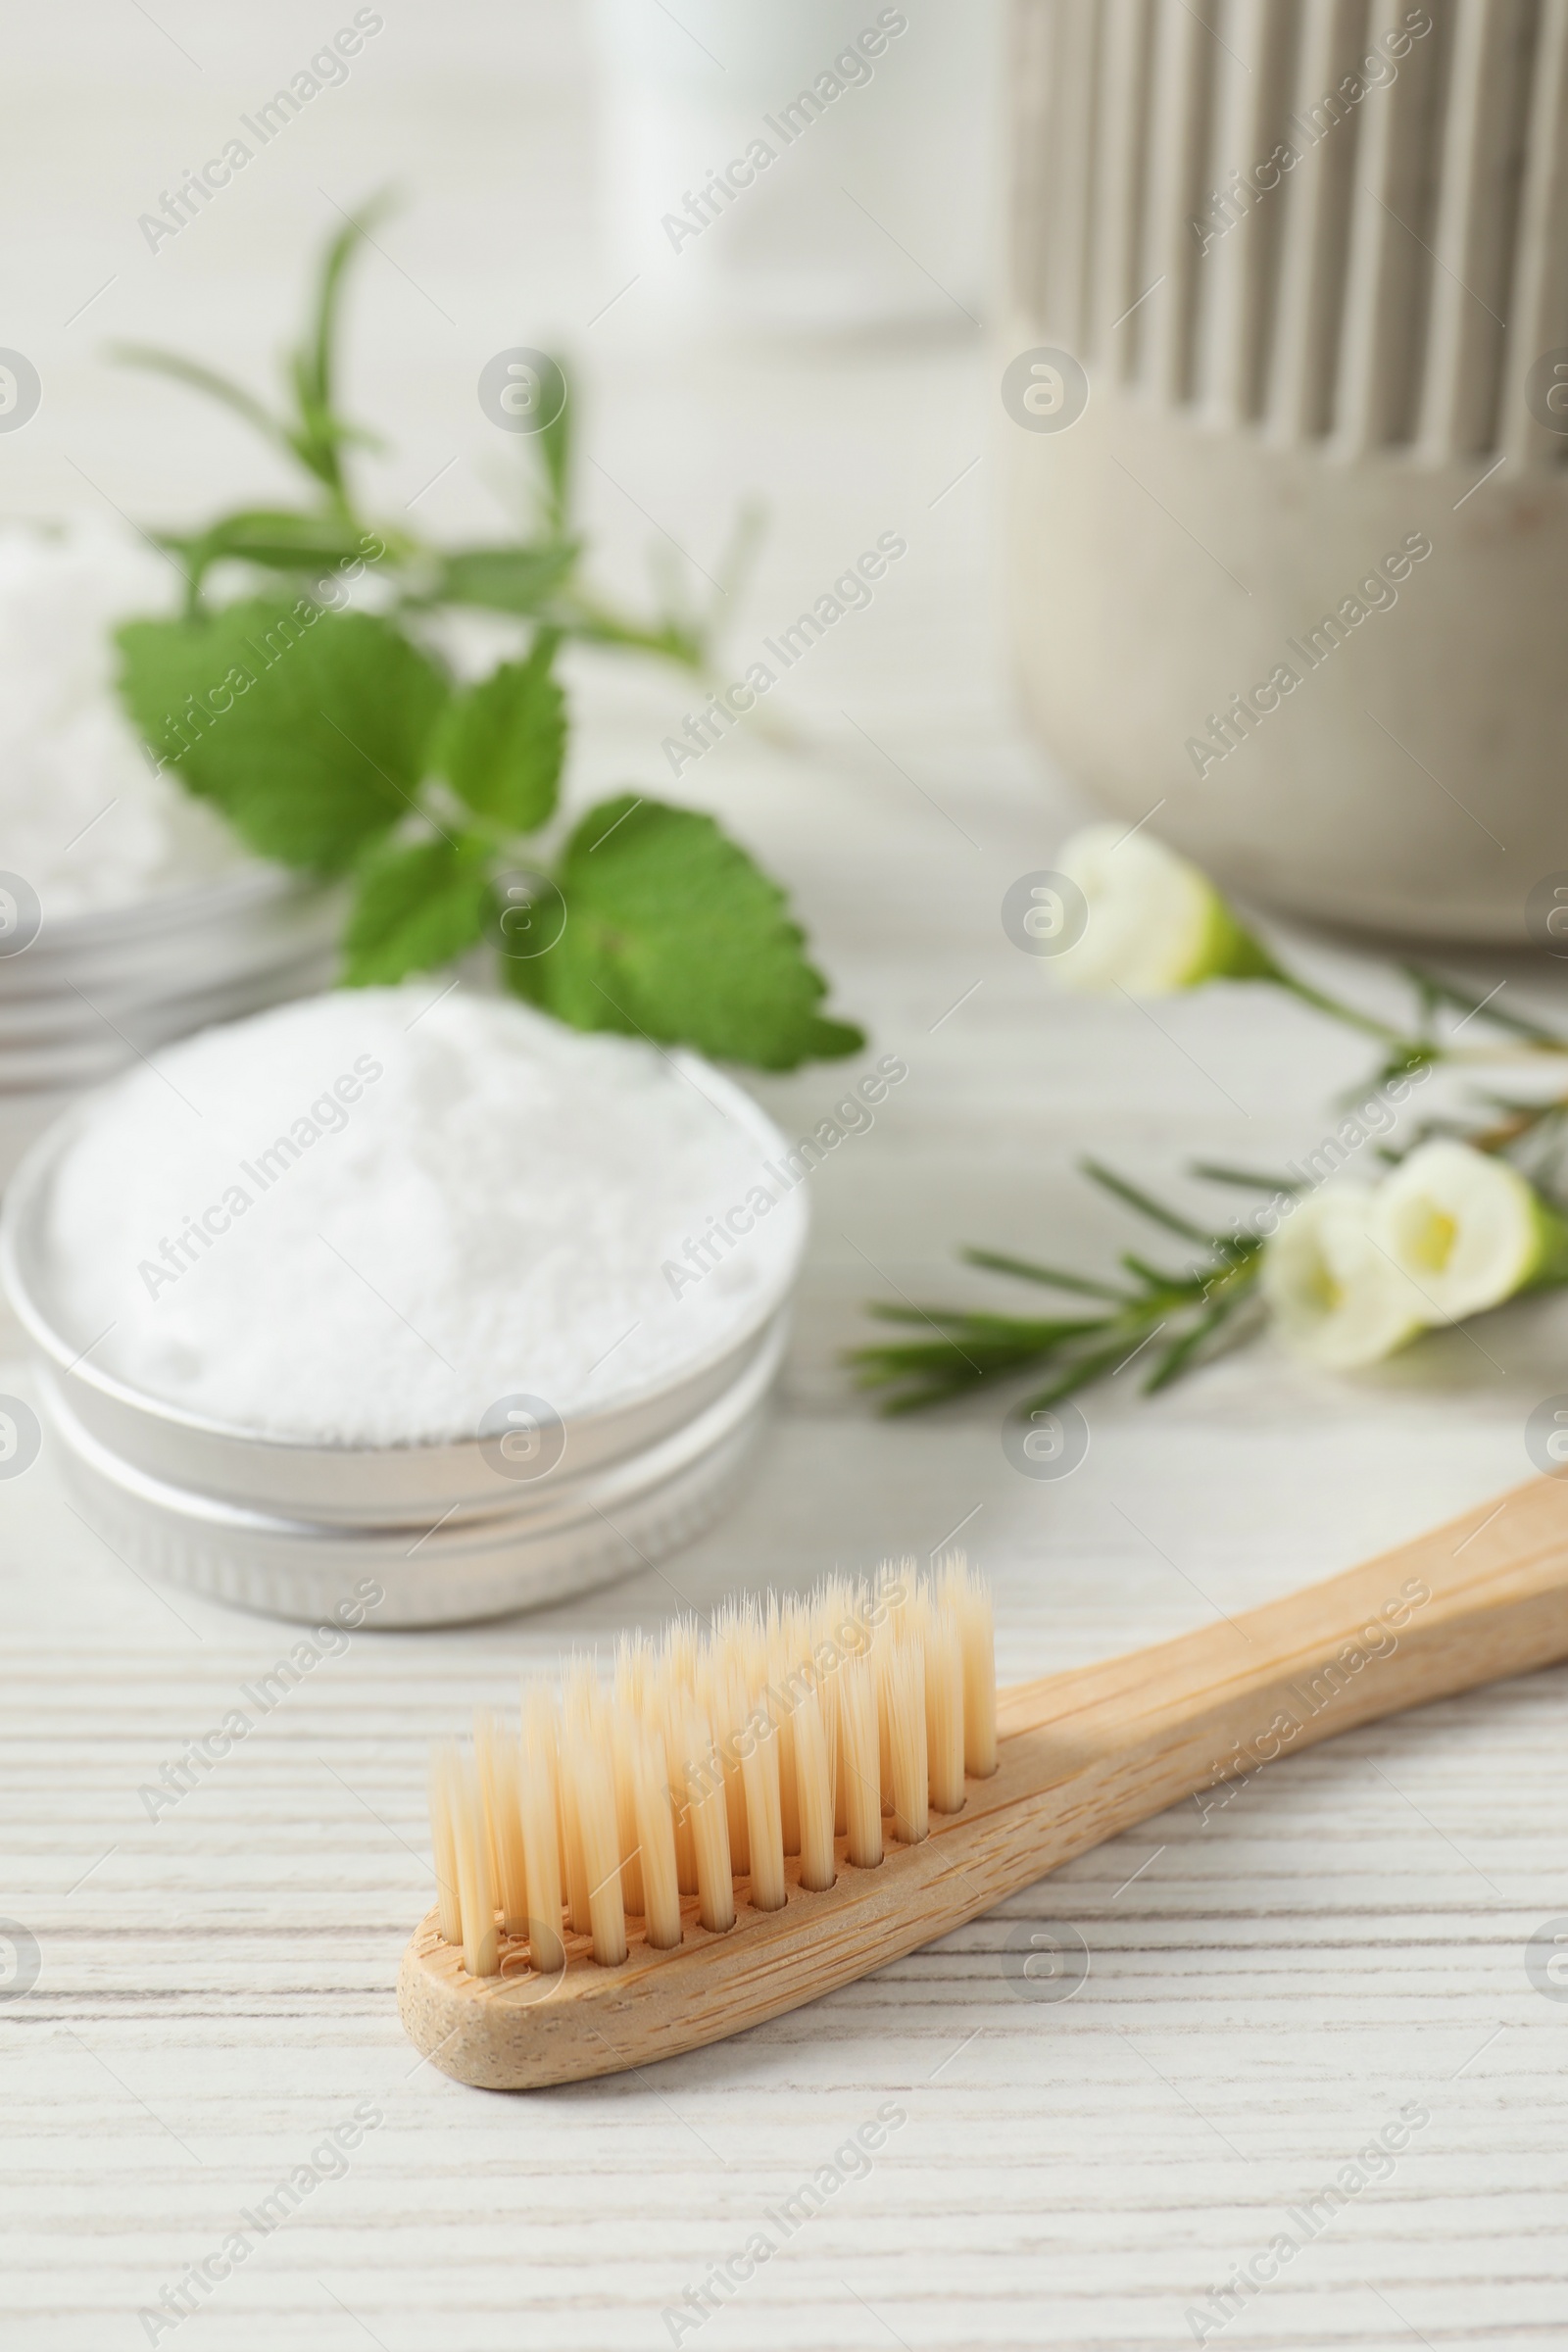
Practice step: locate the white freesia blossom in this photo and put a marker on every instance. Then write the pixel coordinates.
(1338, 1299)
(1467, 1230)
(1154, 924)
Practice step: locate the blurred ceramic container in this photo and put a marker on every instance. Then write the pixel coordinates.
(1285, 395)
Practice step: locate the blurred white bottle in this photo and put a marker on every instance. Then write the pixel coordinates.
(821, 166)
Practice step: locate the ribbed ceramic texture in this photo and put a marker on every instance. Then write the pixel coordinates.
(1390, 293)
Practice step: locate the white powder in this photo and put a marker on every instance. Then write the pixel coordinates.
(82, 817)
(468, 1202)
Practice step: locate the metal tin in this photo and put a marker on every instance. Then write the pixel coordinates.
(245, 892)
(479, 1559)
(446, 1531)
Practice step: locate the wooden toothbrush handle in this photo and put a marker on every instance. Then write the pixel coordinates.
(1083, 1755)
(1485, 1596)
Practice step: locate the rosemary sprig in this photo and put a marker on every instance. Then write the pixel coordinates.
(1212, 1302)
(1334, 1316)
(1196, 1310)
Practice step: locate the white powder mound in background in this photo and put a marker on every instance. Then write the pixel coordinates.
(82, 817)
(411, 1209)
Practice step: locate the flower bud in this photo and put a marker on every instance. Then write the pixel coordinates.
(1155, 923)
(1467, 1230)
(1338, 1299)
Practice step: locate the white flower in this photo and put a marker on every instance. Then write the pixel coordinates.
(1338, 1299)
(1467, 1230)
(1155, 923)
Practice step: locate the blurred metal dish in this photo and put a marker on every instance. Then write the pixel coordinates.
(152, 973)
(252, 898)
(94, 991)
(102, 1044)
(473, 1561)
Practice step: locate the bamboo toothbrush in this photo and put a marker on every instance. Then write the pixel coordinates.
(749, 1820)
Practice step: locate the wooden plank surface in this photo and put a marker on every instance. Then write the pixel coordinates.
(1270, 1981)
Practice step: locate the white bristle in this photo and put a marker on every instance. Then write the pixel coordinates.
(944, 1710)
(624, 1771)
(656, 1833)
(904, 1696)
(782, 1680)
(578, 1917)
(760, 1766)
(704, 1779)
(961, 1591)
(830, 1691)
(728, 1758)
(633, 1668)
(725, 1704)
(443, 1762)
(859, 1738)
(813, 1784)
(668, 1717)
(900, 1597)
(682, 1647)
(496, 1753)
(587, 1771)
(882, 1654)
(541, 1831)
(476, 1892)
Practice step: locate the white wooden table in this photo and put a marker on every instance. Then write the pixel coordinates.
(1268, 1985)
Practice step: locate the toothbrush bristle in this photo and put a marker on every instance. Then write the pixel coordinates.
(791, 1730)
(443, 1843)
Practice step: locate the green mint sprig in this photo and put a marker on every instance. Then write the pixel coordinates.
(338, 743)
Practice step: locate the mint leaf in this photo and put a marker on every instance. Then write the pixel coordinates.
(419, 906)
(277, 539)
(673, 933)
(308, 729)
(502, 743)
(505, 579)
